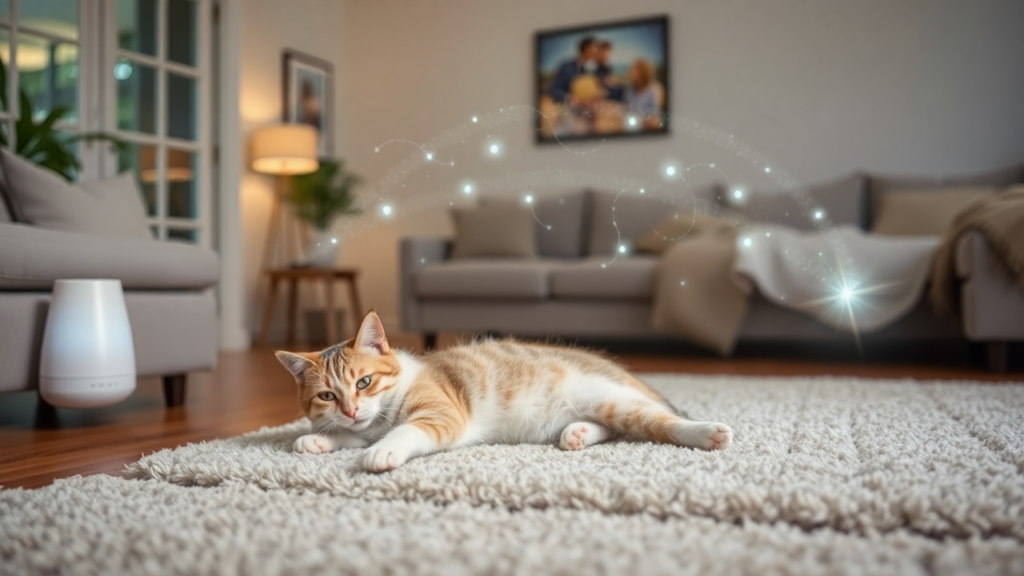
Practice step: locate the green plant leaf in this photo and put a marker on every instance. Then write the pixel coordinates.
(320, 197)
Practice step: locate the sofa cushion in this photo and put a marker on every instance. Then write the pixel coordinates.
(924, 212)
(109, 207)
(842, 202)
(880, 185)
(493, 231)
(32, 258)
(560, 223)
(519, 279)
(629, 216)
(623, 278)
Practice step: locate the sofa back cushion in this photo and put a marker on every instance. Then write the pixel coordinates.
(839, 202)
(627, 217)
(924, 212)
(108, 207)
(499, 230)
(560, 226)
(5, 211)
(881, 185)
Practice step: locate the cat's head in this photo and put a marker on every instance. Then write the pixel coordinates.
(349, 382)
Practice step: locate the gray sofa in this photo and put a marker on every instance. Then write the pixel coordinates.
(566, 292)
(168, 292)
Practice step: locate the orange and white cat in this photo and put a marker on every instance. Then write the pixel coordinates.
(361, 393)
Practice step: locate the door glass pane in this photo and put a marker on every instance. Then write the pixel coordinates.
(181, 31)
(58, 17)
(185, 234)
(182, 184)
(141, 159)
(181, 107)
(136, 96)
(136, 26)
(48, 74)
(5, 9)
(5, 60)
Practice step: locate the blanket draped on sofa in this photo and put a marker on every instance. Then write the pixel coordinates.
(841, 276)
(1000, 219)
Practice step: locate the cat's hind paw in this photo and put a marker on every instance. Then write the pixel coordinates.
(719, 436)
(579, 435)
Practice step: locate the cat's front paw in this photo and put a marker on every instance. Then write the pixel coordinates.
(313, 444)
(574, 437)
(384, 456)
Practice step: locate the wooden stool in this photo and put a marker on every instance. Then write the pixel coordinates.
(293, 276)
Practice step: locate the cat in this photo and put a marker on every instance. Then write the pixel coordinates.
(363, 394)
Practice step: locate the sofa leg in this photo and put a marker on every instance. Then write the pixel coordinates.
(174, 390)
(998, 356)
(429, 341)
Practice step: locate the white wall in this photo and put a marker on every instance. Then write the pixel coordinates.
(820, 88)
(268, 27)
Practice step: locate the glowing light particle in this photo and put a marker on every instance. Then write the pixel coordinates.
(682, 282)
(494, 148)
(767, 170)
(712, 164)
(423, 260)
(737, 194)
(846, 294)
(641, 190)
(467, 189)
(386, 210)
(622, 248)
(123, 70)
(377, 149)
(430, 156)
(474, 119)
(670, 171)
(604, 265)
(748, 242)
(632, 120)
(818, 214)
(549, 226)
(528, 199)
(334, 240)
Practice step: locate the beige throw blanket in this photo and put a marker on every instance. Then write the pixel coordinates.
(696, 296)
(842, 277)
(1000, 219)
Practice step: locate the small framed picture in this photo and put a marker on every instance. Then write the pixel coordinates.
(308, 96)
(602, 80)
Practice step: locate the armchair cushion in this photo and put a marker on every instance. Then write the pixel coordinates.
(32, 258)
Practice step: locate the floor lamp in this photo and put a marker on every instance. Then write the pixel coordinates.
(283, 150)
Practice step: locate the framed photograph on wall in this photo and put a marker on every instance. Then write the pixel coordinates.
(308, 96)
(602, 80)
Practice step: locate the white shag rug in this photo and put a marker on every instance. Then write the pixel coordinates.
(824, 475)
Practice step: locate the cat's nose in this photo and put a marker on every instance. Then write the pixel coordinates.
(351, 412)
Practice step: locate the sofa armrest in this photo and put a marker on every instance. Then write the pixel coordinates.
(415, 253)
(992, 303)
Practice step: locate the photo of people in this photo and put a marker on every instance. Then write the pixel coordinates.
(307, 96)
(603, 80)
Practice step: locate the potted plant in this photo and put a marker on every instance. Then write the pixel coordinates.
(41, 142)
(318, 199)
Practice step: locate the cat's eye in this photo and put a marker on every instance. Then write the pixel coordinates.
(364, 382)
(327, 396)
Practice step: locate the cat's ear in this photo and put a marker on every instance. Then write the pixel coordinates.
(297, 364)
(371, 335)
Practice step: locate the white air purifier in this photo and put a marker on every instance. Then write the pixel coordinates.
(88, 356)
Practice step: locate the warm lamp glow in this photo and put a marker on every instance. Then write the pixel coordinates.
(285, 149)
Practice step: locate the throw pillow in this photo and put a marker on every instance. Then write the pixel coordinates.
(924, 212)
(493, 231)
(108, 207)
(559, 229)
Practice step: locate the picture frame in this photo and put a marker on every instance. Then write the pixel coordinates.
(309, 96)
(617, 86)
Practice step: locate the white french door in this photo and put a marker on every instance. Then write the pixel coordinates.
(137, 69)
(157, 94)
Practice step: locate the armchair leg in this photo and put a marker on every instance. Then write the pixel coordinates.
(429, 341)
(174, 390)
(998, 356)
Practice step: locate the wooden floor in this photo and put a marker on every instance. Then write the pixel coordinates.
(250, 389)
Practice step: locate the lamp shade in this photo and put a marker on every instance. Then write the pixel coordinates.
(285, 149)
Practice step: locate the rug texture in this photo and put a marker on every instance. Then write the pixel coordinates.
(854, 455)
(826, 475)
